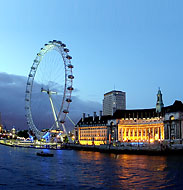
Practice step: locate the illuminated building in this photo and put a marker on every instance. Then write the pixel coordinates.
(143, 124)
(13, 132)
(140, 125)
(114, 100)
(92, 130)
(1, 126)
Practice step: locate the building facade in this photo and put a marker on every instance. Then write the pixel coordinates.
(173, 123)
(139, 125)
(114, 100)
(92, 130)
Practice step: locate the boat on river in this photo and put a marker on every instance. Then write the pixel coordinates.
(44, 154)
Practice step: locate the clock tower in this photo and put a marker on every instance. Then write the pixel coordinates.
(159, 103)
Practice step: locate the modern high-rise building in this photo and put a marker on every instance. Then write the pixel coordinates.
(114, 100)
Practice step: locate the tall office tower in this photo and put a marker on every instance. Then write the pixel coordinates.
(114, 100)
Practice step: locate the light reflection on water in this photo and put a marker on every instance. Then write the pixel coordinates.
(21, 168)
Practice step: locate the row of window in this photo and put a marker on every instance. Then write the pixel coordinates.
(93, 135)
(92, 139)
(173, 131)
(143, 132)
(93, 128)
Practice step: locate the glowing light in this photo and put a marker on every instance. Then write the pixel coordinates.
(151, 140)
(46, 135)
(156, 136)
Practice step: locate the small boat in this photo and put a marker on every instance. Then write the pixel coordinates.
(44, 154)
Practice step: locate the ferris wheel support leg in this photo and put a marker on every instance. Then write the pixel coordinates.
(71, 120)
(66, 133)
(53, 110)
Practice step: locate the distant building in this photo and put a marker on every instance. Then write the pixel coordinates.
(13, 132)
(114, 100)
(1, 126)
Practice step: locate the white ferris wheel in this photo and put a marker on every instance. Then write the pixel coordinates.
(49, 88)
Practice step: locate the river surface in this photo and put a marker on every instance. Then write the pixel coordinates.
(21, 168)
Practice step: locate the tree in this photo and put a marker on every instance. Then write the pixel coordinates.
(23, 133)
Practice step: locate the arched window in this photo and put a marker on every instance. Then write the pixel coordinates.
(172, 117)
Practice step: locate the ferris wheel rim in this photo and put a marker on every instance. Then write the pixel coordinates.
(68, 84)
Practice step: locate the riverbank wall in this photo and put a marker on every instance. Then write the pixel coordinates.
(149, 149)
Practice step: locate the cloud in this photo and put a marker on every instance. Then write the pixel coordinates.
(12, 104)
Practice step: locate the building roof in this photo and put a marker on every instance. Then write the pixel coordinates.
(147, 113)
(94, 120)
(113, 91)
(136, 113)
(176, 107)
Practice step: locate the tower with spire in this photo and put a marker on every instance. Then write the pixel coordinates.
(159, 103)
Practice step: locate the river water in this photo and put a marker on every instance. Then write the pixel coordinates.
(21, 168)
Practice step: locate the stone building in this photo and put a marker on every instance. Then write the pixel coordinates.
(92, 130)
(140, 125)
(173, 123)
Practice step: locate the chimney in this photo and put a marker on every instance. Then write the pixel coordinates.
(83, 117)
(94, 115)
(100, 115)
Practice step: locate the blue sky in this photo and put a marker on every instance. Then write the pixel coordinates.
(134, 46)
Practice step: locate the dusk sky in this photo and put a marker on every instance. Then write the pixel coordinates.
(132, 46)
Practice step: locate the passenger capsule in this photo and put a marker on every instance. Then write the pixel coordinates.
(59, 42)
(65, 111)
(28, 83)
(38, 54)
(62, 121)
(63, 45)
(70, 88)
(30, 75)
(68, 100)
(33, 68)
(71, 77)
(70, 66)
(66, 50)
(68, 57)
(54, 40)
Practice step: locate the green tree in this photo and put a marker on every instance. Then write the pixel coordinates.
(23, 133)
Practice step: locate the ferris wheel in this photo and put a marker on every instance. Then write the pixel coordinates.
(48, 89)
